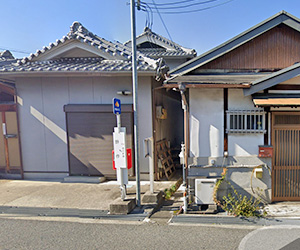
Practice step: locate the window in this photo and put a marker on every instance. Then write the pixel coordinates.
(245, 121)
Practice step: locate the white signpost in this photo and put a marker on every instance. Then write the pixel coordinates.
(120, 153)
(148, 152)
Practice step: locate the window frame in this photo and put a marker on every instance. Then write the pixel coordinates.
(244, 122)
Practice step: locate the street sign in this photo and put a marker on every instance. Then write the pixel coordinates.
(119, 142)
(117, 106)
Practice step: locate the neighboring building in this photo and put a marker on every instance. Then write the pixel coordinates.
(243, 94)
(157, 46)
(64, 101)
(10, 159)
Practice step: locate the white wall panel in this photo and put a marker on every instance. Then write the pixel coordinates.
(145, 117)
(81, 90)
(242, 144)
(106, 88)
(55, 96)
(32, 131)
(206, 122)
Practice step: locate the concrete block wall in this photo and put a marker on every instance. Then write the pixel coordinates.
(239, 177)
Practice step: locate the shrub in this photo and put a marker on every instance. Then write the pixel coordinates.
(237, 204)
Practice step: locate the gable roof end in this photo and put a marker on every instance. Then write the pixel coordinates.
(6, 55)
(117, 52)
(80, 33)
(273, 79)
(279, 18)
(172, 48)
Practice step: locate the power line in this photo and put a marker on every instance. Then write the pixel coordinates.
(193, 10)
(149, 19)
(14, 50)
(185, 6)
(173, 3)
(163, 22)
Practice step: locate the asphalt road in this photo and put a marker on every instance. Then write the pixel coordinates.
(32, 234)
(274, 237)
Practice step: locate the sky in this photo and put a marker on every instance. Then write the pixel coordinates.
(30, 25)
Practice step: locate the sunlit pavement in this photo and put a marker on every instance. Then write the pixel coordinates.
(273, 237)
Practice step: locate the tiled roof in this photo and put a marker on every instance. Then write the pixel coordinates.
(92, 64)
(156, 53)
(115, 51)
(172, 49)
(6, 55)
(6, 58)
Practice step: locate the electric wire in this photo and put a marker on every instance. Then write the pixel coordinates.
(149, 18)
(173, 3)
(191, 11)
(14, 50)
(163, 22)
(185, 6)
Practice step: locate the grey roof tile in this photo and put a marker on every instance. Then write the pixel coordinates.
(6, 55)
(92, 64)
(121, 55)
(156, 53)
(176, 50)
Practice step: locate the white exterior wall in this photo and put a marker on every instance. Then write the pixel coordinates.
(242, 144)
(42, 119)
(173, 63)
(206, 122)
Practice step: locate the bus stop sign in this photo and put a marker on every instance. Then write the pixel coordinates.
(117, 106)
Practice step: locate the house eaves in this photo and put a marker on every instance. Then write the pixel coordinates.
(276, 100)
(242, 79)
(273, 79)
(75, 65)
(237, 41)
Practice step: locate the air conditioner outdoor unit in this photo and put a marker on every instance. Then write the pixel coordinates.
(204, 189)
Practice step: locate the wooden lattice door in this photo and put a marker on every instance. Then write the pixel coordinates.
(286, 157)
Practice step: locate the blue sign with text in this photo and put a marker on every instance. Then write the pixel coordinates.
(117, 106)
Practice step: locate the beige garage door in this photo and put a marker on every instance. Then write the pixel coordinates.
(90, 141)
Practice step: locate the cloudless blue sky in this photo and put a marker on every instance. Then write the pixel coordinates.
(29, 25)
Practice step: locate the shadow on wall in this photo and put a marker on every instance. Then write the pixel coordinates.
(54, 128)
(85, 166)
(245, 182)
(205, 140)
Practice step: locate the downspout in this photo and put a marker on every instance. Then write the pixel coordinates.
(184, 104)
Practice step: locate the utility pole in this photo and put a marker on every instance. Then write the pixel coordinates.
(135, 103)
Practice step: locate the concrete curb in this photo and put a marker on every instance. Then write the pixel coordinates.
(65, 213)
(156, 207)
(230, 220)
(162, 199)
